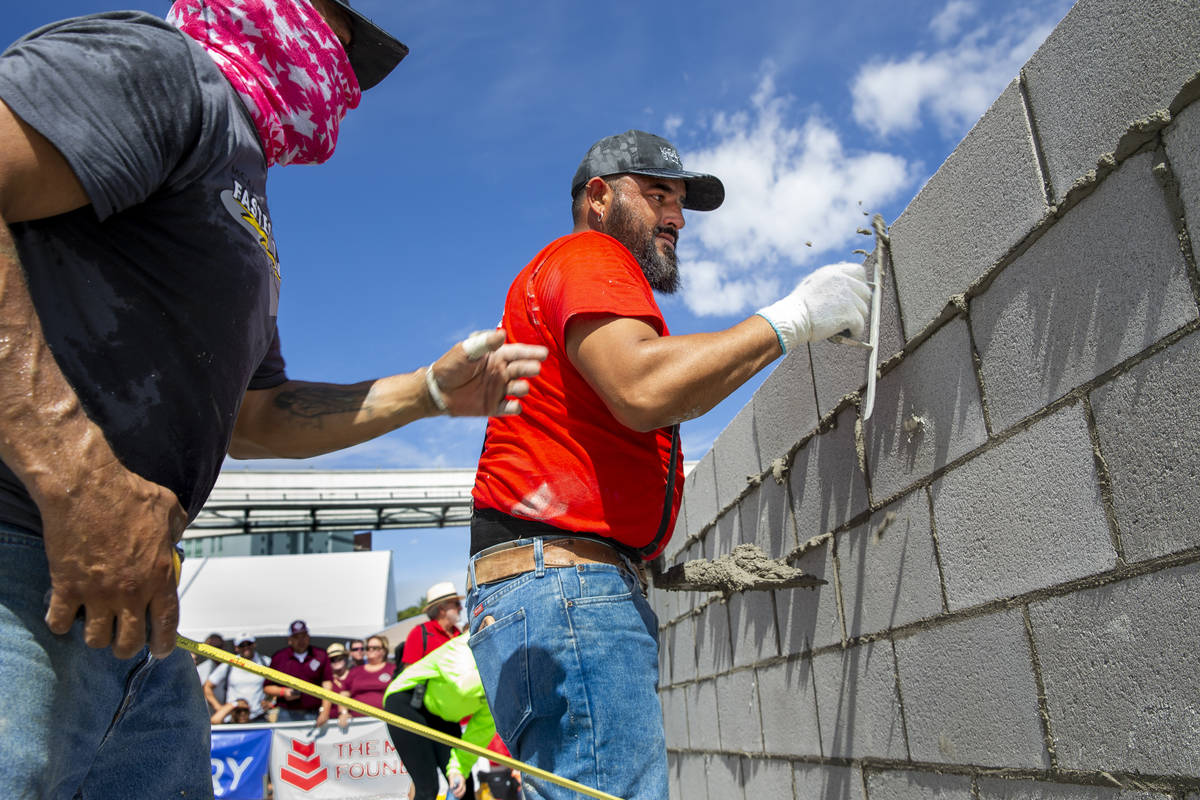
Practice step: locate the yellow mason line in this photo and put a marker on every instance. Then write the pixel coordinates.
(276, 676)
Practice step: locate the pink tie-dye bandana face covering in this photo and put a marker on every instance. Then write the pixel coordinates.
(287, 65)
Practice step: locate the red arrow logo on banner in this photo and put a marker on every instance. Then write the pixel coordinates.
(310, 773)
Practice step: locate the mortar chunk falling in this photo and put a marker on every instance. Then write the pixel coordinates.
(746, 569)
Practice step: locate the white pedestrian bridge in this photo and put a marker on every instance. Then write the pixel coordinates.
(265, 512)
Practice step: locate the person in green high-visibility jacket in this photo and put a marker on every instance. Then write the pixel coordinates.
(440, 689)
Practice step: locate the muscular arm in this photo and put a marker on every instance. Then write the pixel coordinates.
(298, 419)
(108, 533)
(650, 381)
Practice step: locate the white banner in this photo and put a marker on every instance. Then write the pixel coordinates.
(361, 762)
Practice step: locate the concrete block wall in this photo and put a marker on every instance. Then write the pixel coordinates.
(1011, 543)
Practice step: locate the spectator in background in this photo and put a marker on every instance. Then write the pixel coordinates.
(438, 691)
(233, 683)
(443, 605)
(367, 682)
(339, 669)
(303, 661)
(237, 712)
(205, 666)
(358, 652)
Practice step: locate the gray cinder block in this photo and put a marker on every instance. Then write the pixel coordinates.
(827, 485)
(735, 456)
(1183, 143)
(809, 618)
(766, 518)
(896, 785)
(726, 535)
(700, 494)
(752, 627)
(970, 695)
(693, 777)
(1106, 65)
(1024, 515)
(984, 199)
(703, 728)
(713, 650)
(1119, 666)
(857, 703)
(675, 716)
(1149, 424)
(682, 641)
(785, 407)
(1100, 286)
(888, 570)
(737, 712)
(725, 777)
(767, 778)
(1002, 789)
(828, 782)
(927, 413)
(839, 369)
(789, 709)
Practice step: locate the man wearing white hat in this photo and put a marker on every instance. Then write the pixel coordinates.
(443, 604)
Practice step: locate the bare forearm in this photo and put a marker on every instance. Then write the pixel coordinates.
(300, 419)
(665, 380)
(43, 429)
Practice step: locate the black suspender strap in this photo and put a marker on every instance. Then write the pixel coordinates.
(669, 501)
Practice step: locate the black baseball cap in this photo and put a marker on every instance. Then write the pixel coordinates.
(644, 153)
(373, 52)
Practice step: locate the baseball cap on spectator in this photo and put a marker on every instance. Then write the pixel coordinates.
(242, 638)
(336, 650)
(297, 627)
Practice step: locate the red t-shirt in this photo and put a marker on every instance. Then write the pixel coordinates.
(368, 686)
(566, 460)
(424, 638)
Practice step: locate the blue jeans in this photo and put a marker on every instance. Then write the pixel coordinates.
(78, 722)
(570, 669)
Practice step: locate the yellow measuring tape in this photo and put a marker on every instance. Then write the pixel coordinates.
(276, 676)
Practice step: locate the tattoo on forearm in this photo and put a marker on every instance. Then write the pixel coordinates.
(313, 402)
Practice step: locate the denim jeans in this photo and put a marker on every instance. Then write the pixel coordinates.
(78, 722)
(570, 669)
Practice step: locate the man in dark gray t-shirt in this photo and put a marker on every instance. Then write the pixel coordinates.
(139, 282)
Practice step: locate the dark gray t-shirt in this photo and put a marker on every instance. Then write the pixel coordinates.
(158, 300)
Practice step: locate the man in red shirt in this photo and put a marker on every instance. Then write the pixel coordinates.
(300, 660)
(573, 495)
(443, 605)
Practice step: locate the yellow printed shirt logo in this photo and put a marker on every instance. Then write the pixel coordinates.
(251, 214)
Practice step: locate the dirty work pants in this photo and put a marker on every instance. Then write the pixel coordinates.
(78, 722)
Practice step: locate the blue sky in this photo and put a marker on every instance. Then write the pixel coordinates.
(455, 170)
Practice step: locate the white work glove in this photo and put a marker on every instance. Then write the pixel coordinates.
(458, 786)
(832, 299)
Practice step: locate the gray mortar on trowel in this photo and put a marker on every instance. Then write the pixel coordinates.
(747, 568)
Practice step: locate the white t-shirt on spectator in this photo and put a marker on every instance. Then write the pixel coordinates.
(241, 684)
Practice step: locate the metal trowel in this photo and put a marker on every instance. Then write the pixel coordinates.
(881, 241)
(746, 569)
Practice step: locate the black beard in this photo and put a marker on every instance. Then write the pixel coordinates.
(661, 269)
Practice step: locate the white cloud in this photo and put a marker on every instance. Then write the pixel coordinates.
(950, 19)
(956, 84)
(671, 125)
(786, 185)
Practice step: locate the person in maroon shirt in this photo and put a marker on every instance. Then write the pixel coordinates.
(366, 683)
(300, 660)
(442, 605)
